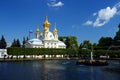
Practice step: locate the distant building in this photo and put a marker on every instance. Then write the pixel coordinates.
(3, 53)
(45, 39)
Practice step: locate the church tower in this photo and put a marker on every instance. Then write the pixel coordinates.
(46, 26)
(55, 32)
(37, 33)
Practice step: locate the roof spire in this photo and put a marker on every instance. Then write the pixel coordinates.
(46, 19)
(55, 30)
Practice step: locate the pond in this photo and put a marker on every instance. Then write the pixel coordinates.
(57, 70)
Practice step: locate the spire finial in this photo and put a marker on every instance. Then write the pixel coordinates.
(46, 19)
(55, 26)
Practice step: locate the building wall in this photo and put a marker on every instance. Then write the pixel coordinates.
(3, 52)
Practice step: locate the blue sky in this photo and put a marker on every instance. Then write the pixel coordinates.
(86, 19)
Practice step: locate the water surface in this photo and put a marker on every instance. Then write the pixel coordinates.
(56, 70)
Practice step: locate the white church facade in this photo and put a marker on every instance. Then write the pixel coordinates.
(46, 38)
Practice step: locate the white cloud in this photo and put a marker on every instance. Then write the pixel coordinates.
(104, 15)
(88, 22)
(53, 3)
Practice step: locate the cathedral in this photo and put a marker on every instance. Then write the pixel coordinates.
(45, 39)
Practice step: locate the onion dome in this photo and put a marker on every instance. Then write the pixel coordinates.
(37, 30)
(46, 23)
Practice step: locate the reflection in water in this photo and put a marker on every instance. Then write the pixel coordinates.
(55, 70)
(91, 75)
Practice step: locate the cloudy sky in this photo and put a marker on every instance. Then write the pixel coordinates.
(86, 19)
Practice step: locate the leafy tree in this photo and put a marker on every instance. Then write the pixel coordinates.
(117, 37)
(74, 41)
(71, 42)
(85, 47)
(81, 46)
(3, 43)
(85, 44)
(67, 42)
(94, 45)
(61, 38)
(105, 41)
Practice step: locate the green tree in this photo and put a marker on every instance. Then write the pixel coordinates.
(24, 41)
(67, 42)
(105, 41)
(3, 43)
(117, 37)
(61, 38)
(16, 43)
(87, 44)
(84, 47)
(71, 42)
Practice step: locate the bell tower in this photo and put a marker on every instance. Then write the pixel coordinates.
(46, 26)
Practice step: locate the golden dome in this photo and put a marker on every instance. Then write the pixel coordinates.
(55, 30)
(37, 30)
(46, 23)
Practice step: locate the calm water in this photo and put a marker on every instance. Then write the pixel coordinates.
(55, 70)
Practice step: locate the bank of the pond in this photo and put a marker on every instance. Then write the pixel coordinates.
(33, 59)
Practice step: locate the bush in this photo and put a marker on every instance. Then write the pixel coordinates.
(40, 51)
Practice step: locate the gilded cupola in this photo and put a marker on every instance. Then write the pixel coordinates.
(46, 23)
(37, 30)
(55, 30)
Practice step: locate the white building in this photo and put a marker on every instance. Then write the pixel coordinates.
(3, 53)
(45, 39)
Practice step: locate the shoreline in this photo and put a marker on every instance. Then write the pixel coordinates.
(31, 59)
(38, 59)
